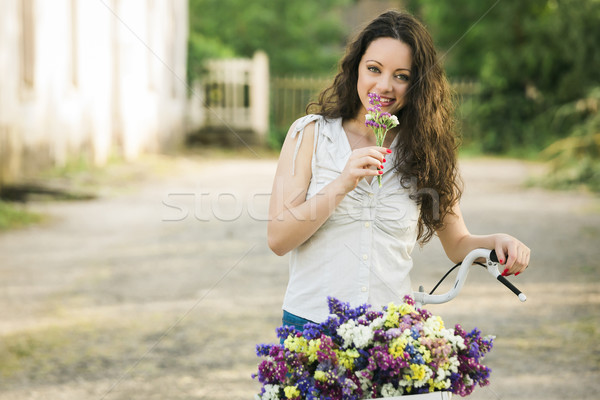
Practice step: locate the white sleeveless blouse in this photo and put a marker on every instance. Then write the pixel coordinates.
(361, 254)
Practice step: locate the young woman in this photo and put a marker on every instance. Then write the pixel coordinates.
(350, 238)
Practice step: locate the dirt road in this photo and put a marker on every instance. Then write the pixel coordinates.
(161, 287)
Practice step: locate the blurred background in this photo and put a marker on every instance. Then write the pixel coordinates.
(138, 140)
(91, 80)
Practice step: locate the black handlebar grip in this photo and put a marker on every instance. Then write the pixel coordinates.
(512, 287)
(494, 256)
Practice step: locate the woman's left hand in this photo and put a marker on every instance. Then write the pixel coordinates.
(513, 255)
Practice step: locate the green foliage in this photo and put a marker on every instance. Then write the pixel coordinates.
(299, 37)
(12, 216)
(201, 48)
(530, 58)
(276, 137)
(575, 160)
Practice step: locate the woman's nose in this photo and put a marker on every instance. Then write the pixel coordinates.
(384, 83)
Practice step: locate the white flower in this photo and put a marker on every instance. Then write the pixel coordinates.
(359, 335)
(441, 374)
(369, 117)
(457, 342)
(365, 382)
(433, 326)
(489, 338)
(453, 364)
(271, 393)
(468, 381)
(377, 323)
(388, 390)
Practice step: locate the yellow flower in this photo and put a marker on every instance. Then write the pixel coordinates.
(445, 384)
(431, 385)
(394, 312)
(320, 376)
(404, 309)
(313, 347)
(425, 353)
(346, 358)
(392, 319)
(291, 392)
(296, 344)
(417, 371)
(397, 347)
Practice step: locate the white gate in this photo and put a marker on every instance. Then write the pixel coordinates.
(233, 95)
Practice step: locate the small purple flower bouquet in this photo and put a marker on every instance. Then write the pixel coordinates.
(360, 354)
(380, 122)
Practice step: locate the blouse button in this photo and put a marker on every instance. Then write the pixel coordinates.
(364, 288)
(365, 257)
(367, 224)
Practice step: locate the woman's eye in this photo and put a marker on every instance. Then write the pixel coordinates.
(403, 77)
(373, 69)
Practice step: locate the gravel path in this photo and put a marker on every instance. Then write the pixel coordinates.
(161, 287)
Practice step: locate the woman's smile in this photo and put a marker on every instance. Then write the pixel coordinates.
(385, 69)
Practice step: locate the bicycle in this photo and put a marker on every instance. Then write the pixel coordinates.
(491, 264)
(422, 298)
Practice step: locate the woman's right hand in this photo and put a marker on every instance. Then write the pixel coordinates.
(363, 162)
(292, 217)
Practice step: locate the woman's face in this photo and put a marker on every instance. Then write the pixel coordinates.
(384, 69)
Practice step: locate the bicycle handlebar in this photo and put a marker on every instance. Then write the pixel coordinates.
(491, 258)
(506, 282)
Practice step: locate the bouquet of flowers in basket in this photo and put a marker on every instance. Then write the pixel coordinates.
(359, 353)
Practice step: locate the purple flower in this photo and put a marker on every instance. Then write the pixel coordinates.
(312, 331)
(263, 349)
(380, 122)
(286, 330)
(270, 372)
(319, 365)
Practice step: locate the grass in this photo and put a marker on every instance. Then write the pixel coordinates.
(13, 216)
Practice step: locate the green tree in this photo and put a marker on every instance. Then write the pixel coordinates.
(531, 58)
(300, 37)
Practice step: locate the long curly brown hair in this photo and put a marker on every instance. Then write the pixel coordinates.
(427, 143)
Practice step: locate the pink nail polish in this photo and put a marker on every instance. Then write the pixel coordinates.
(389, 151)
(380, 172)
(505, 272)
(384, 160)
(517, 273)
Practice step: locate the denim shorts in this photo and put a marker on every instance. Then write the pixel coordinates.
(297, 322)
